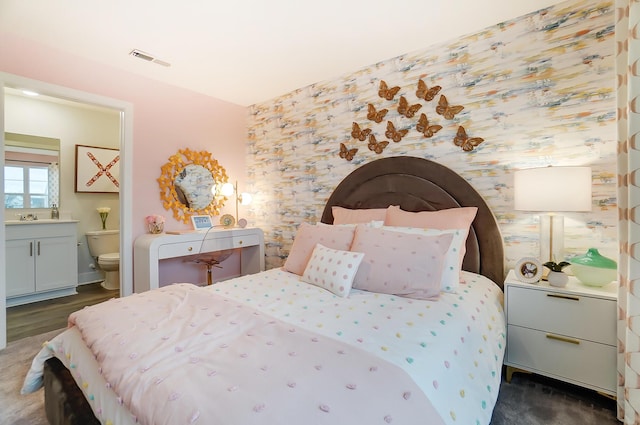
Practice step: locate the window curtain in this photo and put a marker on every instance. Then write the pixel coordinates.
(628, 98)
(54, 184)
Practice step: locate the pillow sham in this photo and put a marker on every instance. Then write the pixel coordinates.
(450, 279)
(332, 269)
(400, 263)
(452, 218)
(308, 235)
(354, 216)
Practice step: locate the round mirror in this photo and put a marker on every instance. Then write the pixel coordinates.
(190, 184)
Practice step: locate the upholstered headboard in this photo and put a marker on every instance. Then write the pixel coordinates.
(417, 184)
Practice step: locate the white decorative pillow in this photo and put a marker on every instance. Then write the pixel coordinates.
(450, 279)
(332, 269)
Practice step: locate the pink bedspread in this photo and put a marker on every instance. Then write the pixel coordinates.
(184, 355)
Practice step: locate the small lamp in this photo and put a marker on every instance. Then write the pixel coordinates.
(552, 190)
(243, 198)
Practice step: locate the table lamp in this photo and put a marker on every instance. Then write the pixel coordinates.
(552, 190)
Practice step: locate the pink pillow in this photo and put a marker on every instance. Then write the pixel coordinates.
(346, 216)
(452, 218)
(405, 264)
(307, 236)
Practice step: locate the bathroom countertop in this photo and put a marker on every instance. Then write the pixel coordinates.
(39, 221)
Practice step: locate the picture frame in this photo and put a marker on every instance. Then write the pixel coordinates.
(528, 270)
(97, 169)
(201, 222)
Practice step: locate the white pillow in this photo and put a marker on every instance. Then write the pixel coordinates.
(332, 269)
(450, 279)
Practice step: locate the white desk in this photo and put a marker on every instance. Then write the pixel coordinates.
(149, 249)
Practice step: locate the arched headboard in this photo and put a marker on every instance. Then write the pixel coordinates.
(417, 184)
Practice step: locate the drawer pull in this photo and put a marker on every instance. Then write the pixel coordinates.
(564, 297)
(190, 249)
(239, 242)
(563, 339)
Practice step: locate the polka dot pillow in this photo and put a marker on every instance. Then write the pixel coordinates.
(332, 269)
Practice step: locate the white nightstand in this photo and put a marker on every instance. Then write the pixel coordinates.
(565, 333)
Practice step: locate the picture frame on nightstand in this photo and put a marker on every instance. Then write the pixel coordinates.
(528, 270)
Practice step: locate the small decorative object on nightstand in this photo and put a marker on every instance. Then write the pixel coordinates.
(528, 270)
(565, 333)
(556, 276)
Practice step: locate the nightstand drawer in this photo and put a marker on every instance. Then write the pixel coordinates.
(568, 314)
(574, 360)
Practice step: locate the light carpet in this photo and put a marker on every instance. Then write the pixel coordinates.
(15, 360)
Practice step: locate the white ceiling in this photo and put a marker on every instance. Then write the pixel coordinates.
(249, 51)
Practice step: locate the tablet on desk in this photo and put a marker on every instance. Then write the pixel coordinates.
(201, 222)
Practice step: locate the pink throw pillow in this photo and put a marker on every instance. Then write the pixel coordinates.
(405, 264)
(308, 235)
(348, 216)
(452, 218)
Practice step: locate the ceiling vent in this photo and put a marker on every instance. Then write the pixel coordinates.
(147, 57)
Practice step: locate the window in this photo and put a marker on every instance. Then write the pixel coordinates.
(26, 186)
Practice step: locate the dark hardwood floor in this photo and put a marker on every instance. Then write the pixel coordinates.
(44, 316)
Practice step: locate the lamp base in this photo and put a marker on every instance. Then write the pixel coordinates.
(551, 237)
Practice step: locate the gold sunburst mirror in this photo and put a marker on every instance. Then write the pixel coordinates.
(190, 183)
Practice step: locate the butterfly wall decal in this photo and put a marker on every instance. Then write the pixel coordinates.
(447, 111)
(423, 92)
(393, 134)
(387, 93)
(376, 116)
(376, 146)
(347, 154)
(466, 143)
(405, 109)
(359, 134)
(426, 129)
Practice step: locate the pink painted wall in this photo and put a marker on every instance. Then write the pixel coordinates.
(166, 118)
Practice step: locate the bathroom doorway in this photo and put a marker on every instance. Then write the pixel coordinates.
(124, 111)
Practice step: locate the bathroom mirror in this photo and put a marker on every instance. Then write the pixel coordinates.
(190, 184)
(32, 171)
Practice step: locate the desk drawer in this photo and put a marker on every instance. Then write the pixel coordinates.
(574, 360)
(181, 249)
(579, 316)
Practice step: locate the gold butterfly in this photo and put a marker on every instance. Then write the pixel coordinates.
(356, 133)
(393, 134)
(466, 143)
(376, 146)
(426, 93)
(376, 116)
(347, 154)
(426, 129)
(406, 110)
(387, 93)
(447, 111)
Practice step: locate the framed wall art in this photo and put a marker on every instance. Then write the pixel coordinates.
(97, 169)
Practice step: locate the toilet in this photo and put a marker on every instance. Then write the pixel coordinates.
(105, 246)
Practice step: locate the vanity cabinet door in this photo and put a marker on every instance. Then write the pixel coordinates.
(20, 272)
(56, 263)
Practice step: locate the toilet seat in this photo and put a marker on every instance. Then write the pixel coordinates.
(109, 258)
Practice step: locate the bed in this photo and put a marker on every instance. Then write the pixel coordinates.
(306, 354)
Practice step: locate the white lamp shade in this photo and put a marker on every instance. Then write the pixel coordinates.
(553, 189)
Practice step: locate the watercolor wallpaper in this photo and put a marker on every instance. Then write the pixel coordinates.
(538, 90)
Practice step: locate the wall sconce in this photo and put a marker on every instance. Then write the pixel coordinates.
(229, 189)
(552, 190)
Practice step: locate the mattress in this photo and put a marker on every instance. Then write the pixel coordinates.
(452, 348)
